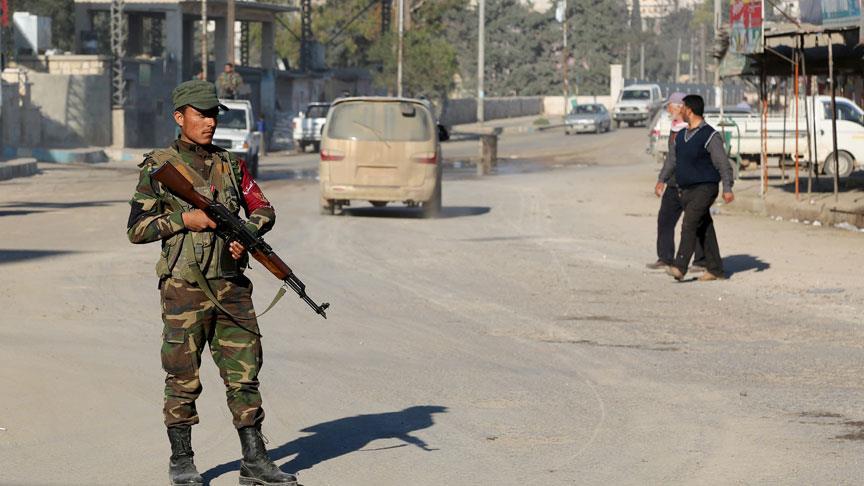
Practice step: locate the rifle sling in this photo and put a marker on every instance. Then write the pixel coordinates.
(195, 270)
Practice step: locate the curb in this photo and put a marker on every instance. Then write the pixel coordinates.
(828, 214)
(11, 169)
(58, 156)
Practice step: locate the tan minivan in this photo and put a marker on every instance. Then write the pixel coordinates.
(381, 150)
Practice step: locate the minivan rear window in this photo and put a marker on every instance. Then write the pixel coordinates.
(378, 121)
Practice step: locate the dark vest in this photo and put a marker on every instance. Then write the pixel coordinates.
(692, 160)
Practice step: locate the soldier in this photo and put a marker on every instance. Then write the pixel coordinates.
(229, 82)
(206, 299)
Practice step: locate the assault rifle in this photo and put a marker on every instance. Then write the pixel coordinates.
(231, 228)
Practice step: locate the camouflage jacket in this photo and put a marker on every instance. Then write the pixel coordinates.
(154, 213)
(229, 83)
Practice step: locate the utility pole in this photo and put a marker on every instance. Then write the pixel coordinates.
(481, 59)
(118, 52)
(690, 77)
(399, 49)
(204, 39)
(718, 84)
(702, 71)
(230, 18)
(678, 62)
(642, 61)
(565, 55)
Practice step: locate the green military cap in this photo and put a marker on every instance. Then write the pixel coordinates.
(197, 93)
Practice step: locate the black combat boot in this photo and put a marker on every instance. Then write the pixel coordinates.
(256, 469)
(181, 469)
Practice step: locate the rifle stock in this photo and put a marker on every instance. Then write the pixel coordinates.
(231, 228)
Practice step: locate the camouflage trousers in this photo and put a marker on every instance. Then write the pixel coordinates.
(193, 321)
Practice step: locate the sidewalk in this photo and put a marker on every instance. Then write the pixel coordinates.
(21, 167)
(818, 208)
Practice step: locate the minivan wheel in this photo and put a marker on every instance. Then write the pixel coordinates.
(379, 204)
(328, 208)
(432, 207)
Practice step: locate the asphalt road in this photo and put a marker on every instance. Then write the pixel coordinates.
(518, 339)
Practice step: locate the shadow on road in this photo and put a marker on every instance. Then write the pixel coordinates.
(21, 208)
(733, 264)
(415, 213)
(343, 436)
(12, 256)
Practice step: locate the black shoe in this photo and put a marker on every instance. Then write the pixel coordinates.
(181, 468)
(658, 265)
(256, 469)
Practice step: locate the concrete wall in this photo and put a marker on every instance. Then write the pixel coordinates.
(554, 105)
(464, 110)
(75, 108)
(67, 64)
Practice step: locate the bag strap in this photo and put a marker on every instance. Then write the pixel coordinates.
(198, 276)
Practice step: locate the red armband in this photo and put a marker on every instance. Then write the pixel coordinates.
(252, 194)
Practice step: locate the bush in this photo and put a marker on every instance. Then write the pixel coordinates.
(541, 122)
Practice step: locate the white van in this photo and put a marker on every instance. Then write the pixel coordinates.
(637, 104)
(745, 128)
(237, 133)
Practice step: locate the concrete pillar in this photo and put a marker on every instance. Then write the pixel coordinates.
(82, 24)
(268, 41)
(616, 81)
(135, 34)
(220, 46)
(230, 18)
(118, 127)
(188, 49)
(173, 30)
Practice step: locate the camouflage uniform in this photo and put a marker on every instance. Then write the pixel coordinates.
(190, 319)
(228, 84)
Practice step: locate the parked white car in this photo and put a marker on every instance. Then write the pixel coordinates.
(306, 126)
(637, 104)
(745, 127)
(238, 134)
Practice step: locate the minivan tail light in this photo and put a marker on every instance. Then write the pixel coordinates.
(330, 155)
(425, 157)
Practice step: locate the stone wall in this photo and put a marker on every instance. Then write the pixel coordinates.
(67, 64)
(464, 110)
(75, 109)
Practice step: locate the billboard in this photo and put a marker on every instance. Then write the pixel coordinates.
(831, 13)
(745, 33)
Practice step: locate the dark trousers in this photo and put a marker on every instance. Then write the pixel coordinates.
(670, 210)
(698, 228)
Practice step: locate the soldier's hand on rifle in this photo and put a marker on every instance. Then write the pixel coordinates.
(236, 250)
(197, 220)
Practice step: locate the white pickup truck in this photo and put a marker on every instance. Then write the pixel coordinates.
(306, 127)
(746, 141)
(238, 134)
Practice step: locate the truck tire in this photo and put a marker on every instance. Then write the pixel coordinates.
(379, 204)
(846, 162)
(316, 147)
(617, 124)
(299, 147)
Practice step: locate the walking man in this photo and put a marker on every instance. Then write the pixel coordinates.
(670, 202)
(195, 269)
(700, 163)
